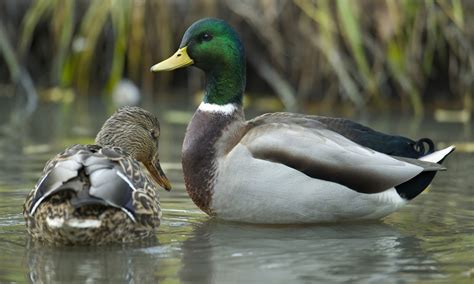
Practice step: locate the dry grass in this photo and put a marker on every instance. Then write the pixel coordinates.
(358, 52)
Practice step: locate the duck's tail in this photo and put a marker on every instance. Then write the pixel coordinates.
(438, 156)
(419, 146)
(413, 187)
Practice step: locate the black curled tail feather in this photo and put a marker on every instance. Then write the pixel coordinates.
(419, 146)
(403, 147)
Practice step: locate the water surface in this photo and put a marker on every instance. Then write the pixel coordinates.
(430, 240)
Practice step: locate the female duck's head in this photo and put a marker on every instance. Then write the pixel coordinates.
(137, 132)
(213, 46)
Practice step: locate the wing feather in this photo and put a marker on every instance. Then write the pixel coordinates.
(309, 147)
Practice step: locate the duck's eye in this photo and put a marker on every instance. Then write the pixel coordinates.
(206, 37)
(154, 134)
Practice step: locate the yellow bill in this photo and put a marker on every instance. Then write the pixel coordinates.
(177, 60)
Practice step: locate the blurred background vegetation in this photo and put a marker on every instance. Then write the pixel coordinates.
(408, 55)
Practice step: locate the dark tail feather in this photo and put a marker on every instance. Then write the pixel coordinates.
(413, 187)
(420, 146)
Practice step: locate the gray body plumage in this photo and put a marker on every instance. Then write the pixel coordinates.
(294, 169)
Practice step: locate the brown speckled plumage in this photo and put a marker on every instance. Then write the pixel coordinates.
(103, 186)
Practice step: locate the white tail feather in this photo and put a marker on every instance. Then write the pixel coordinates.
(437, 156)
(59, 222)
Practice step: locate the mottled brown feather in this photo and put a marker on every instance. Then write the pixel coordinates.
(86, 183)
(116, 225)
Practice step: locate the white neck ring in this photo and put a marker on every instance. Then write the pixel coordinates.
(215, 108)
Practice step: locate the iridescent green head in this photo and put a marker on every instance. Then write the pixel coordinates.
(213, 46)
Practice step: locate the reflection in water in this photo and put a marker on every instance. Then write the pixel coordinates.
(91, 264)
(233, 253)
(12, 128)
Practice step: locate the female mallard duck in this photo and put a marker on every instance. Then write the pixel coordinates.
(96, 194)
(285, 167)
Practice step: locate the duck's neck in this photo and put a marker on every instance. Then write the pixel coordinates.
(225, 83)
(213, 130)
(214, 127)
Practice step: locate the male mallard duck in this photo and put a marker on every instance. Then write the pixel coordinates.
(96, 194)
(285, 167)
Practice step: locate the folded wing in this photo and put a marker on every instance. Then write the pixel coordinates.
(309, 147)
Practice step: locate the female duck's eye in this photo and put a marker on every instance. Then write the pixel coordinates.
(206, 37)
(154, 134)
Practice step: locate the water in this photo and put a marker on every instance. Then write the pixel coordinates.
(430, 240)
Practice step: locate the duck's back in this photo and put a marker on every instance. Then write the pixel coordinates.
(92, 195)
(384, 143)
